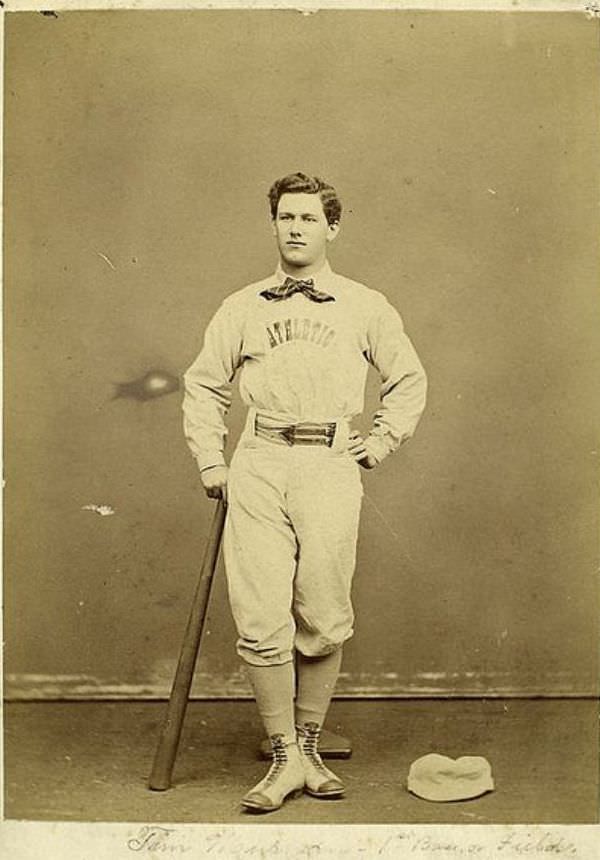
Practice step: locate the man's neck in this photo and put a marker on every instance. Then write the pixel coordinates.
(300, 272)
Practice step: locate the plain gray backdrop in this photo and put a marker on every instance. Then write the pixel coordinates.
(139, 148)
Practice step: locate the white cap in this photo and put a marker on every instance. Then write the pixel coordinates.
(439, 778)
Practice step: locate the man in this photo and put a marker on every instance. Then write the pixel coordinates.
(302, 340)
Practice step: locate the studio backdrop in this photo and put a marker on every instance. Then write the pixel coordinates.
(139, 148)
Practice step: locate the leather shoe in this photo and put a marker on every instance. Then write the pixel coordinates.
(285, 778)
(319, 780)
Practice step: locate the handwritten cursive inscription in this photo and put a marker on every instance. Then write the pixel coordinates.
(157, 840)
(520, 843)
(544, 843)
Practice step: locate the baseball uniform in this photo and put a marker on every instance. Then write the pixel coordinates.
(294, 491)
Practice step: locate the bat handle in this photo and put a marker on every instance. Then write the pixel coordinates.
(164, 760)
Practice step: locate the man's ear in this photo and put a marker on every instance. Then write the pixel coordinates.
(273, 227)
(333, 230)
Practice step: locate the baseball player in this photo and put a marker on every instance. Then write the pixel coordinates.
(302, 340)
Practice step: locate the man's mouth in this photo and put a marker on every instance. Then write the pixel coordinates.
(297, 244)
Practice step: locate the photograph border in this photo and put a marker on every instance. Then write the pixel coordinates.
(23, 840)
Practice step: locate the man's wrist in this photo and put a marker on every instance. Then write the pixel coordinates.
(204, 466)
(377, 447)
(210, 461)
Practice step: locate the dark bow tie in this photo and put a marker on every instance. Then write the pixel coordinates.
(291, 286)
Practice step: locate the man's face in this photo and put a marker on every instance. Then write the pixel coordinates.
(302, 231)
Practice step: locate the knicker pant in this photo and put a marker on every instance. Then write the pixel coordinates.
(290, 549)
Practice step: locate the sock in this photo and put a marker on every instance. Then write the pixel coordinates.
(317, 677)
(273, 688)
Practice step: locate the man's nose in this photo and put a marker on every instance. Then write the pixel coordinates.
(296, 227)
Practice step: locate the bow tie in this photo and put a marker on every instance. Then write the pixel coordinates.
(291, 286)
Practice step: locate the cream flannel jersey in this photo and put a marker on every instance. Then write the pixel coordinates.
(303, 361)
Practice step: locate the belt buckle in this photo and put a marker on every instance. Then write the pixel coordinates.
(288, 434)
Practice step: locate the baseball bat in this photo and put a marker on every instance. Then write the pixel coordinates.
(166, 751)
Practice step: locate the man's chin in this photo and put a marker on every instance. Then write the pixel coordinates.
(296, 257)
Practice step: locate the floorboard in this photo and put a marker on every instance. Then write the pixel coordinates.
(89, 761)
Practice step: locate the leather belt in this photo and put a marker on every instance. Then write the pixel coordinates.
(305, 433)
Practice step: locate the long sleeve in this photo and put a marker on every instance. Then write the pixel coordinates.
(208, 388)
(403, 381)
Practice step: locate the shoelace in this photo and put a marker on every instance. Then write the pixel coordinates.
(309, 742)
(279, 761)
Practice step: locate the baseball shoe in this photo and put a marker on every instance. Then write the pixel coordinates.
(285, 778)
(319, 780)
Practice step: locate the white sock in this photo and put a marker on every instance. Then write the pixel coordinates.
(317, 677)
(273, 688)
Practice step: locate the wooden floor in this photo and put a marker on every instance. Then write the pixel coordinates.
(89, 761)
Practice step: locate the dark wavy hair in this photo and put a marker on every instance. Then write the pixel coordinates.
(300, 183)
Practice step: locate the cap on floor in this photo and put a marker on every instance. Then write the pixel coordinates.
(440, 778)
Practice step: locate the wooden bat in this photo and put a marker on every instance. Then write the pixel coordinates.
(166, 751)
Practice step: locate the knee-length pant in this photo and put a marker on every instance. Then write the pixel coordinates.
(290, 548)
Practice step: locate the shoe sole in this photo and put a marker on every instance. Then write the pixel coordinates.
(326, 795)
(251, 807)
